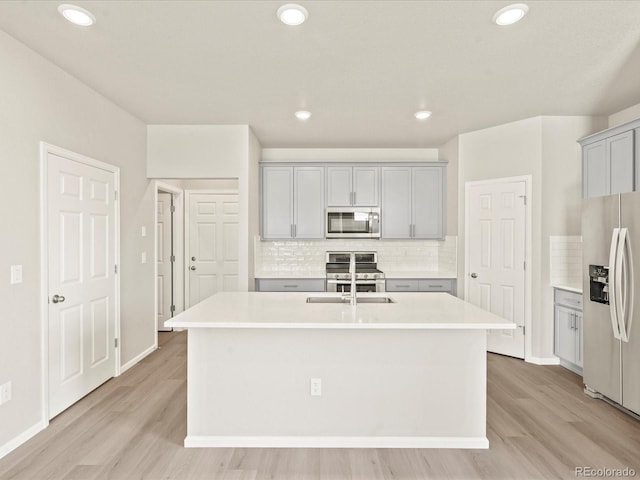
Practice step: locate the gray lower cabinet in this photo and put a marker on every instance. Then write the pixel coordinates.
(413, 202)
(292, 202)
(447, 285)
(610, 161)
(290, 284)
(568, 329)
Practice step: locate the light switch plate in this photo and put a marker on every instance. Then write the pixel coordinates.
(16, 274)
(143, 231)
(144, 257)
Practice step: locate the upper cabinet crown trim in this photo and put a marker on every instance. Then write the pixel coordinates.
(609, 132)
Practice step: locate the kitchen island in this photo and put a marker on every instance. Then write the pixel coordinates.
(272, 370)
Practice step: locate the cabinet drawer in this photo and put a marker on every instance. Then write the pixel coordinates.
(403, 285)
(569, 299)
(436, 285)
(290, 284)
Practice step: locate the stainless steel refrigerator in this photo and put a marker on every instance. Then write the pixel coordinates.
(611, 261)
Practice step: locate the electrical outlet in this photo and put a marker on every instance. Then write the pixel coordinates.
(316, 387)
(143, 258)
(5, 392)
(16, 274)
(143, 231)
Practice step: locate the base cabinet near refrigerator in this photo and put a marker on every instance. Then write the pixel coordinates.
(568, 329)
(611, 256)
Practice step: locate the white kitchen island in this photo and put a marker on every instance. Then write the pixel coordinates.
(409, 374)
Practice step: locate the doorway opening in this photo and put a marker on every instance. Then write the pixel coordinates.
(169, 253)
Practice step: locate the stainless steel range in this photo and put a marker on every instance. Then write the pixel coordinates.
(368, 277)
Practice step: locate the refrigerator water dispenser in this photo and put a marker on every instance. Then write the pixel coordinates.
(599, 284)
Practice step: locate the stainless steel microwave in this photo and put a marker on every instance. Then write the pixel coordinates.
(353, 222)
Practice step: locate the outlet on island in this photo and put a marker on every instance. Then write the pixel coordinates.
(316, 387)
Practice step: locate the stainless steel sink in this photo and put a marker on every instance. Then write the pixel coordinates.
(346, 301)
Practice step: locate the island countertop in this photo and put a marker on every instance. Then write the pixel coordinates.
(272, 310)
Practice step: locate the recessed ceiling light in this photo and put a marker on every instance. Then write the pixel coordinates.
(77, 15)
(510, 14)
(422, 114)
(292, 14)
(303, 115)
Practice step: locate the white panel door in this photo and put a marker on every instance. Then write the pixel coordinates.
(213, 245)
(497, 221)
(165, 259)
(81, 219)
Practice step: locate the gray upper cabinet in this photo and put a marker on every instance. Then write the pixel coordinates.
(292, 202)
(277, 202)
(413, 202)
(396, 202)
(610, 161)
(427, 205)
(352, 186)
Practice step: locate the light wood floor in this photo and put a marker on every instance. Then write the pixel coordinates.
(540, 426)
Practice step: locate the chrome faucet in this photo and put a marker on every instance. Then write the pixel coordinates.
(352, 271)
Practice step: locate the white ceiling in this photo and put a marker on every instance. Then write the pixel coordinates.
(361, 67)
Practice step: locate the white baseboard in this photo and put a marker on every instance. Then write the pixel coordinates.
(202, 441)
(543, 360)
(14, 443)
(136, 359)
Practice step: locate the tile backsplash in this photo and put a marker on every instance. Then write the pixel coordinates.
(565, 253)
(306, 258)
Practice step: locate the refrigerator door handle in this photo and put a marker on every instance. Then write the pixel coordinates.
(613, 285)
(628, 289)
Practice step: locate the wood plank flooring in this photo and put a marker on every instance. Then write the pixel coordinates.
(540, 426)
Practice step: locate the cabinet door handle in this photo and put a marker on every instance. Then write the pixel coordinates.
(290, 286)
(403, 286)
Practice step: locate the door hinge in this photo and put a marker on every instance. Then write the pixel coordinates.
(524, 265)
(172, 308)
(172, 258)
(523, 197)
(115, 194)
(115, 342)
(173, 209)
(523, 329)
(115, 269)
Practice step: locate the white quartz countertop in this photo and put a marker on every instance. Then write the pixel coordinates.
(389, 274)
(568, 288)
(420, 311)
(406, 274)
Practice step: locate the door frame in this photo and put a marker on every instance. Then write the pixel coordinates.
(528, 273)
(178, 251)
(187, 227)
(45, 150)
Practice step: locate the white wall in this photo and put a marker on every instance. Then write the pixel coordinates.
(624, 116)
(195, 151)
(546, 149)
(40, 102)
(223, 155)
(449, 153)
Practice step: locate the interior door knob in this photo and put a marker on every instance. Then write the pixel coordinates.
(193, 267)
(193, 259)
(57, 299)
(474, 275)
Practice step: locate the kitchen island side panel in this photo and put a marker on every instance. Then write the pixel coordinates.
(251, 387)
